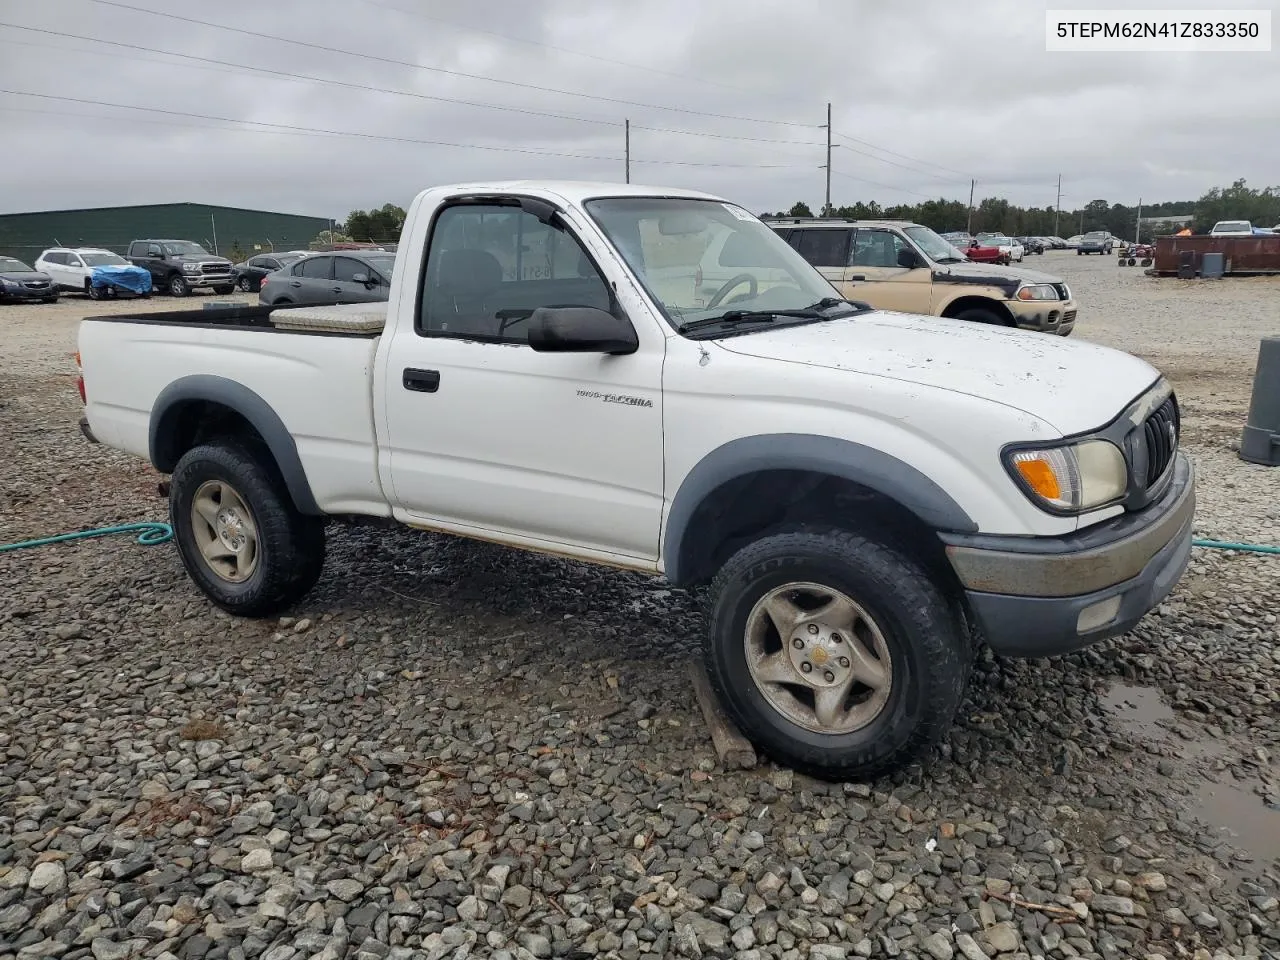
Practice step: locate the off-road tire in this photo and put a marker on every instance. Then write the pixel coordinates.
(931, 653)
(291, 545)
(177, 286)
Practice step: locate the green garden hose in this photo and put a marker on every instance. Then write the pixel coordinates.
(150, 534)
(1228, 545)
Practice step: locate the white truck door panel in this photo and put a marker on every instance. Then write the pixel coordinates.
(484, 432)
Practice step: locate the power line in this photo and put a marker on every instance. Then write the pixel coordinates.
(903, 156)
(293, 129)
(258, 35)
(285, 74)
(887, 186)
(223, 66)
(287, 127)
(548, 46)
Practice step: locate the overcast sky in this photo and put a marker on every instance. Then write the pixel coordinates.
(925, 95)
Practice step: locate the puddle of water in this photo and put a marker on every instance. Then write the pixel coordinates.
(1255, 826)
(1140, 710)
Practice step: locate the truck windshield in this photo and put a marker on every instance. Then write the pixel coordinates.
(701, 258)
(185, 248)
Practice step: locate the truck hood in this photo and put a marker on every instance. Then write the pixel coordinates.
(1073, 385)
(990, 273)
(221, 261)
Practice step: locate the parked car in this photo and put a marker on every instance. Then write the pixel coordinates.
(180, 266)
(1095, 241)
(1058, 243)
(94, 272)
(863, 517)
(979, 253)
(1008, 246)
(350, 277)
(898, 265)
(1232, 228)
(249, 273)
(1031, 244)
(19, 282)
(1074, 242)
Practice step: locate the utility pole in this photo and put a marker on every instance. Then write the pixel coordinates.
(1082, 219)
(1137, 231)
(1057, 206)
(627, 159)
(826, 210)
(969, 226)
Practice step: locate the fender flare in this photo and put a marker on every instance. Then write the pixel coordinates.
(872, 468)
(237, 397)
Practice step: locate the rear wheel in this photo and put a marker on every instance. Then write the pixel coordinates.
(239, 535)
(178, 286)
(244, 285)
(835, 654)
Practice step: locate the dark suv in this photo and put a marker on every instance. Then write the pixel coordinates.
(180, 266)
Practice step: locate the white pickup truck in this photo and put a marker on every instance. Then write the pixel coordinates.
(868, 494)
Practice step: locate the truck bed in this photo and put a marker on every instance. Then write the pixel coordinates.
(318, 382)
(251, 317)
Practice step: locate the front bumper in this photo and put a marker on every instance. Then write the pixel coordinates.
(28, 293)
(1047, 316)
(204, 280)
(1044, 596)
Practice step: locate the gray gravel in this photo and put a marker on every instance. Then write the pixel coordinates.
(450, 750)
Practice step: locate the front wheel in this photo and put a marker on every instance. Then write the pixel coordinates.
(178, 286)
(837, 655)
(240, 537)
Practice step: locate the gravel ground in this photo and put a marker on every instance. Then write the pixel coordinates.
(453, 750)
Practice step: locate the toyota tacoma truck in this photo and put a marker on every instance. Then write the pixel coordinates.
(866, 495)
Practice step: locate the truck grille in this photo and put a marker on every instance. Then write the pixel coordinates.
(215, 268)
(36, 284)
(1160, 432)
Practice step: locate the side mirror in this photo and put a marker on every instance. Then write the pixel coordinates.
(909, 259)
(360, 278)
(580, 330)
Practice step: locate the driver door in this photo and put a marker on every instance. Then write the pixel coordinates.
(888, 286)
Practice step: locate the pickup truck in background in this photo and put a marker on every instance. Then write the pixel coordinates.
(180, 266)
(866, 494)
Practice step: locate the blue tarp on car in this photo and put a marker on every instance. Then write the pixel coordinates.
(122, 277)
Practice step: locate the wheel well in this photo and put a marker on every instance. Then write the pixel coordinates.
(958, 306)
(192, 422)
(754, 505)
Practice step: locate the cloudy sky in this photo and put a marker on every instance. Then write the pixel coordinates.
(378, 99)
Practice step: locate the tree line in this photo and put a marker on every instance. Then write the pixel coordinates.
(997, 215)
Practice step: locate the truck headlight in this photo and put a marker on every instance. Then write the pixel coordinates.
(1038, 291)
(1070, 478)
(191, 268)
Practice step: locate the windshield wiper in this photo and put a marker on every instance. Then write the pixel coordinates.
(815, 311)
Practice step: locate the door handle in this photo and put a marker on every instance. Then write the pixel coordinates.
(858, 276)
(337, 289)
(422, 381)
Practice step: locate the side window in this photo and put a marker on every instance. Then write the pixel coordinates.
(153, 250)
(824, 247)
(785, 233)
(266, 263)
(55, 258)
(345, 269)
(317, 268)
(876, 248)
(489, 267)
(72, 259)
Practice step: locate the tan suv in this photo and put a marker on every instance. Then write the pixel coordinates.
(899, 265)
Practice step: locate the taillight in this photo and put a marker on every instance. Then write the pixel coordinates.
(80, 380)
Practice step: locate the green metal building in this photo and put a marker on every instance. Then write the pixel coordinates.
(219, 229)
